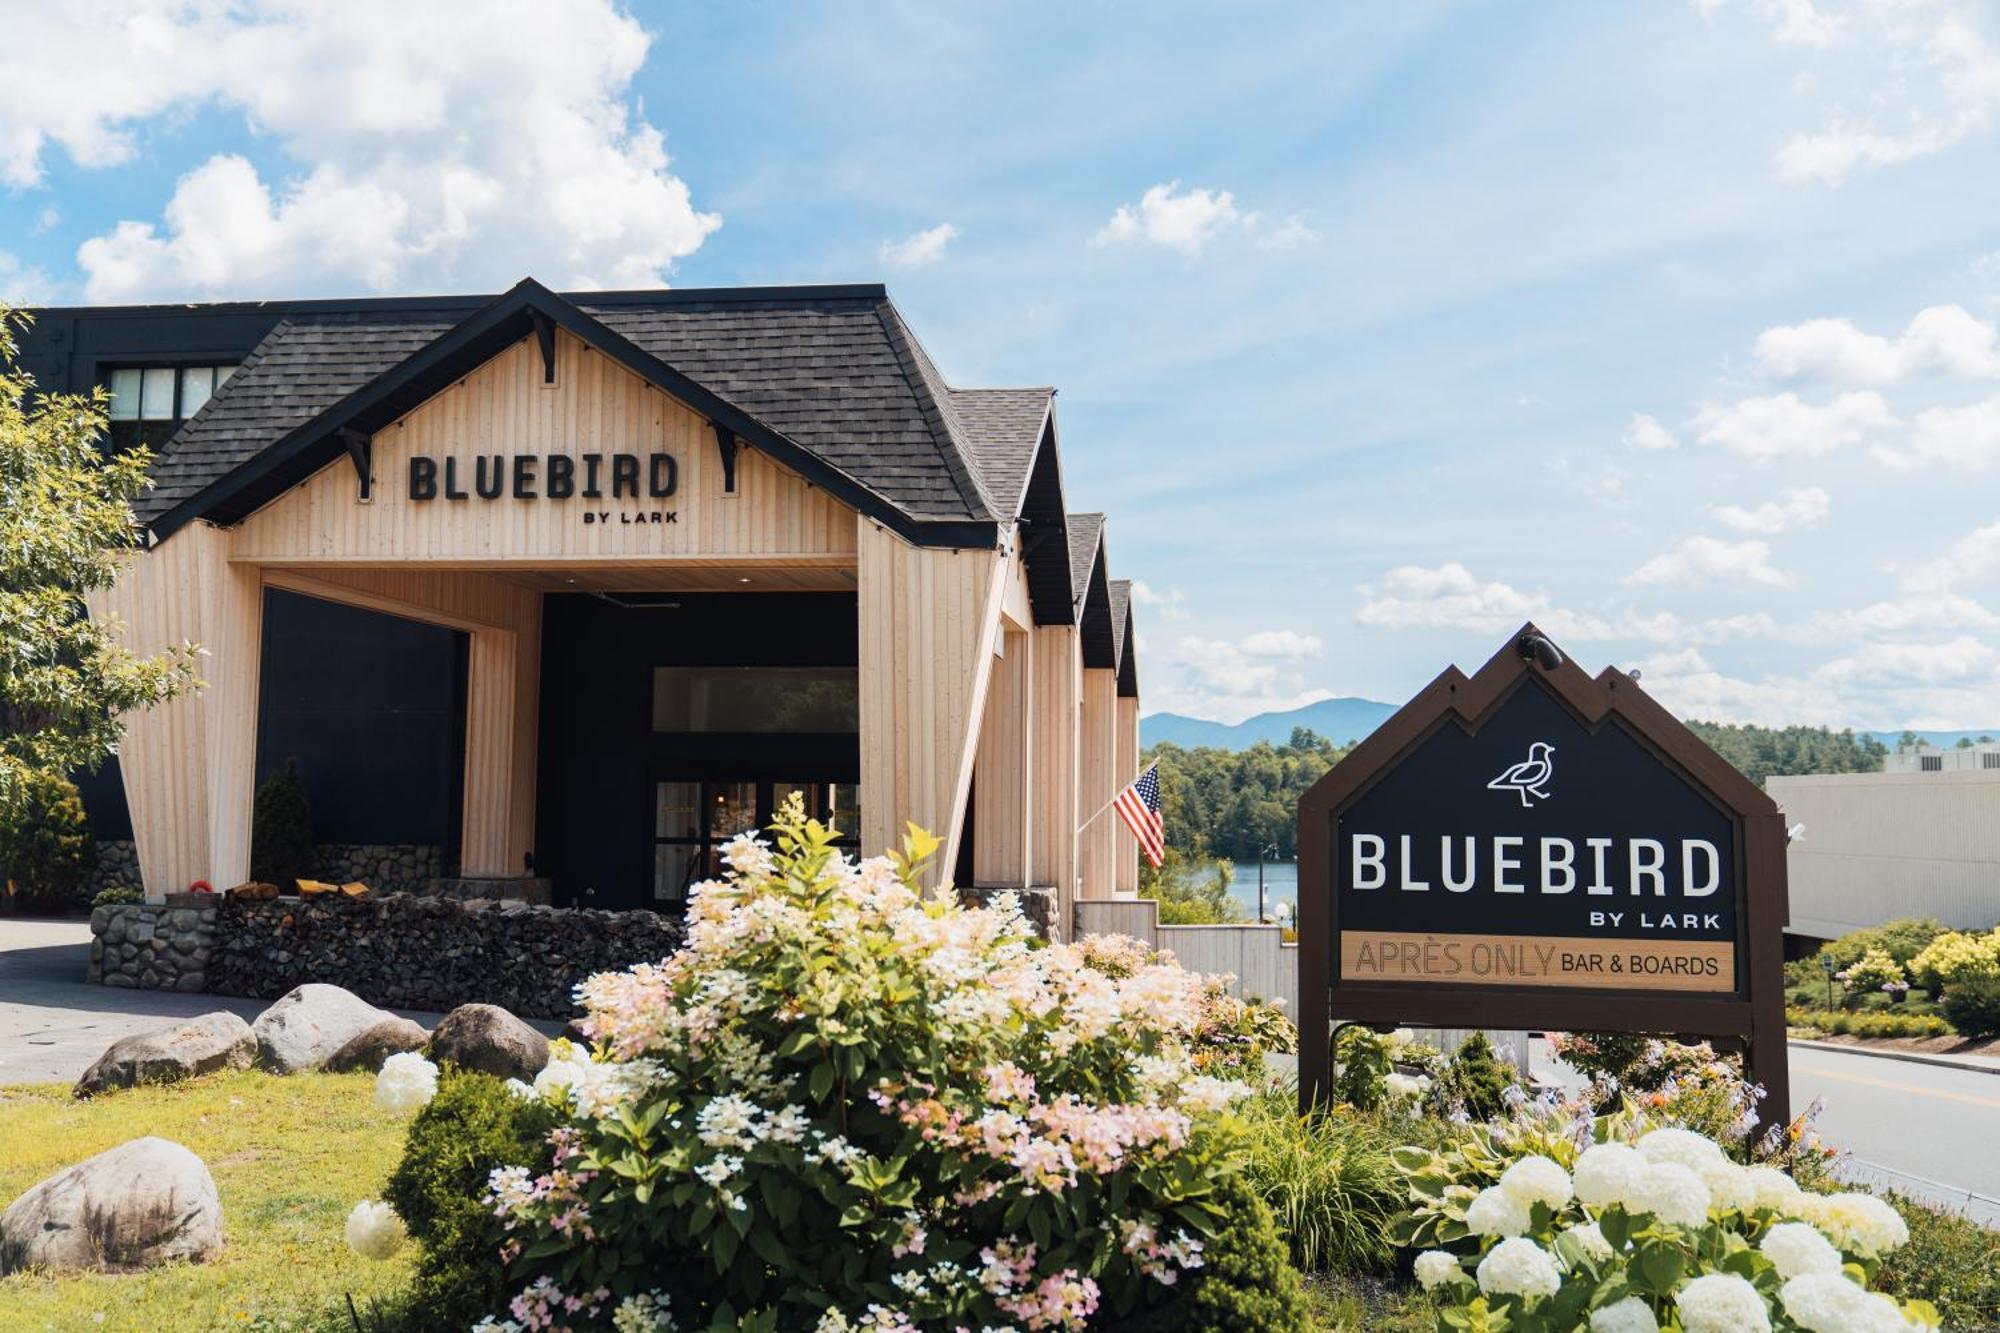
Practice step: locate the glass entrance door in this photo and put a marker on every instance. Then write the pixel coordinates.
(692, 819)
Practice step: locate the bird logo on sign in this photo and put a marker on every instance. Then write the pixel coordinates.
(1529, 778)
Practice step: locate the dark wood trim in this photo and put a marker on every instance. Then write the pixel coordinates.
(725, 445)
(545, 336)
(1754, 1015)
(361, 450)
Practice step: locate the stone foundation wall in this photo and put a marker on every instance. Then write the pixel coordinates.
(1037, 905)
(154, 946)
(117, 867)
(383, 867)
(409, 951)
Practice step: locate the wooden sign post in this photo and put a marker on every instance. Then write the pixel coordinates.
(1530, 848)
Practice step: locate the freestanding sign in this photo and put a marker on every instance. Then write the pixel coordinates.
(1532, 848)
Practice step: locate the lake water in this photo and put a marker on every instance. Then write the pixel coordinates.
(1281, 883)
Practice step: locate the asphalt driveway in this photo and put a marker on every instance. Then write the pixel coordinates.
(53, 1023)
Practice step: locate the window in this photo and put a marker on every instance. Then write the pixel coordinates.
(691, 821)
(818, 700)
(148, 403)
(1930, 763)
(1989, 760)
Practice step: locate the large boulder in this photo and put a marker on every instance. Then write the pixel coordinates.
(367, 1049)
(310, 1023)
(142, 1203)
(214, 1041)
(488, 1038)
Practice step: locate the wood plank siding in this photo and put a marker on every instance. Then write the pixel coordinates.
(1097, 779)
(595, 406)
(1125, 847)
(967, 707)
(930, 620)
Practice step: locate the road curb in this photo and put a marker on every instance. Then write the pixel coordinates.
(1908, 1057)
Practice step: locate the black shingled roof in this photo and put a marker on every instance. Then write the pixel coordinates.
(834, 370)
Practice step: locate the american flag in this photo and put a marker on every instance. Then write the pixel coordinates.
(1139, 806)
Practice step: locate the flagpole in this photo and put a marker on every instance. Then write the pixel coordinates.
(1114, 799)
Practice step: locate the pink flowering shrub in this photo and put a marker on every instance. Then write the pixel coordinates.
(846, 1104)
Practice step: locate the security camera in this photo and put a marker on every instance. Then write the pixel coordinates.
(1537, 648)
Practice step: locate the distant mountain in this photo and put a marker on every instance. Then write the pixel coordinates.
(1342, 721)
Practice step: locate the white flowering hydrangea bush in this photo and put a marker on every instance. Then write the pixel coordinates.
(848, 1104)
(1631, 1229)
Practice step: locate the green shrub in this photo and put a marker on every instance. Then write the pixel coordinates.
(473, 1125)
(853, 1093)
(1329, 1182)
(1870, 972)
(1477, 1080)
(281, 836)
(1361, 1062)
(1950, 1260)
(116, 894)
(1191, 893)
(1901, 939)
(1887, 1024)
(1953, 955)
(47, 857)
(1972, 1003)
(1246, 1284)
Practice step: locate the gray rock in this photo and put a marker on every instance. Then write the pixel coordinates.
(310, 1023)
(143, 1203)
(488, 1038)
(201, 1045)
(369, 1048)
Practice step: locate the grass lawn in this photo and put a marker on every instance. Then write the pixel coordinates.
(290, 1157)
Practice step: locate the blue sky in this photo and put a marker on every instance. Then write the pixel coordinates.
(1378, 328)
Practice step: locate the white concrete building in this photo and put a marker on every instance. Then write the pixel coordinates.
(1983, 757)
(1877, 846)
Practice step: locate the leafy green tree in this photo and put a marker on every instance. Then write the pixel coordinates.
(66, 681)
(47, 855)
(1763, 752)
(1231, 804)
(1186, 896)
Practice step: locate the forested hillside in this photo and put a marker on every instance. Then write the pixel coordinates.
(1226, 804)
(1762, 752)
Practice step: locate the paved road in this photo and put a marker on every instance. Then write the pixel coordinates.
(1926, 1130)
(53, 1024)
(1920, 1128)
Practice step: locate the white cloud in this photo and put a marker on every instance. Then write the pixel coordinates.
(1954, 683)
(471, 143)
(1415, 597)
(1785, 426)
(1802, 508)
(1905, 80)
(1972, 558)
(1919, 612)
(1645, 432)
(920, 249)
(1189, 221)
(23, 284)
(1166, 605)
(1966, 436)
(46, 220)
(1701, 558)
(1166, 215)
(1220, 679)
(1450, 597)
(1283, 644)
(1945, 337)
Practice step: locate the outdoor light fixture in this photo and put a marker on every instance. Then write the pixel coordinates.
(1536, 648)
